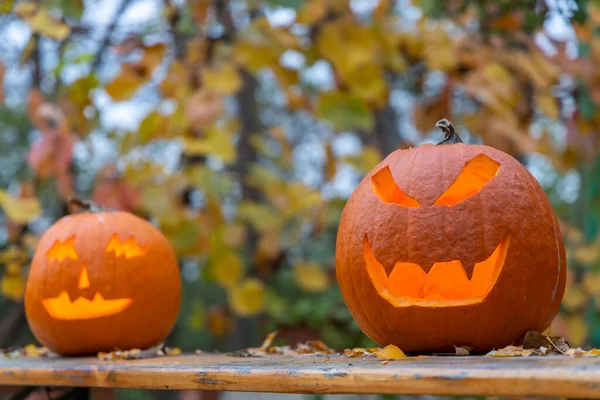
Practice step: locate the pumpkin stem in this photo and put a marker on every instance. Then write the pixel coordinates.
(86, 205)
(451, 137)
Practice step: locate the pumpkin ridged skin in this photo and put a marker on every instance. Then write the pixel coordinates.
(528, 291)
(151, 280)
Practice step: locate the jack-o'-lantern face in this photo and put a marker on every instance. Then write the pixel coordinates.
(98, 274)
(450, 245)
(445, 280)
(61, 306)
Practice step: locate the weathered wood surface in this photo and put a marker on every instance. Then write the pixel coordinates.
(533, 376)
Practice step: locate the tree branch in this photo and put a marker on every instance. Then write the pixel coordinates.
(106, 40)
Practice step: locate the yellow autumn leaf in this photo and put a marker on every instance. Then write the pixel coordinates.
(574, 298)
(26, 9)
(439, 51)
(219, 321)
(368, 83)
(42, 22)
(577, 329)
(175, 82)
(225, 79)
(19, 210)
(591, 283)
(547, 104)
(586, 254)
(31, 350)
(234, 235)
(247, 298)
(153, 56)
(300, 198)
(355, 352)
(368, 158)
(216, 142)
(197, 317)
(125, 84)
(13, 287)
(311, 277)
(510, 351)
(312, 12)
(227, 269)
(254, 56)
(390, 352)
(262, 217)
(28, 50)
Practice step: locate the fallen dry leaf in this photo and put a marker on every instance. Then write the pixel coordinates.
(578, 352)
(535, 340)
(355, 352)
(136, 354)
(511, 351)
(31, 350)
(462, 350)
(311, 347)
(390, 352)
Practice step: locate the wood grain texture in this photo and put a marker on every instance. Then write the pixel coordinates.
(533, 376)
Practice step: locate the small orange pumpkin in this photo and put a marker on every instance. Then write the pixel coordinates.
(450, 244)
(100, 281)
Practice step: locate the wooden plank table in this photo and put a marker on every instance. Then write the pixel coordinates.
(532, 376)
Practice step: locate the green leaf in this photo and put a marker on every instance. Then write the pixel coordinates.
(345, 111)
(295, 4)
(586, 103)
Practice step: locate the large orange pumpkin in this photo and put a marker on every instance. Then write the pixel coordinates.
(450, 244)
(101, 281)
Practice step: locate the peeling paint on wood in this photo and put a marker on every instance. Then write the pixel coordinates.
(461, 376)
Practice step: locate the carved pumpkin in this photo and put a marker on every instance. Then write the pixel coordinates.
(450, 244)
(101, 281)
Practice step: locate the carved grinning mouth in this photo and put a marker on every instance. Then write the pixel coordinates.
(61, 307)
(446, 284)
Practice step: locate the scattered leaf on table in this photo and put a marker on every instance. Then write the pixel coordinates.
(511, 351)
(535, 340)
(311, 347)
(462, 350)
(357, 352)
(135, 354)
(31, 350)
(578, 352)
(390, 352)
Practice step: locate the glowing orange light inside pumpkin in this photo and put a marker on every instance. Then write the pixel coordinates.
(475, 174)
(61, 250)
(387, 189)
(445, 282)
(84, 280)
(128, 249)
(61, 306)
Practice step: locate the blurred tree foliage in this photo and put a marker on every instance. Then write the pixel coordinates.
(240, 128)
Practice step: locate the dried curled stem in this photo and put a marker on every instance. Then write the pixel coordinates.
(450, 135)
(85, 205)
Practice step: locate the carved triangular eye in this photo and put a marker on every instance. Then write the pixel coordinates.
(62, 249)
(471, 179)
(388, 191)
(128, 248)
